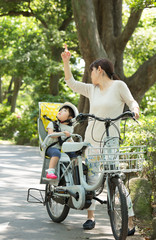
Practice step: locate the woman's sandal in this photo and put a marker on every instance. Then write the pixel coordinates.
(88, 225)
(131, 232)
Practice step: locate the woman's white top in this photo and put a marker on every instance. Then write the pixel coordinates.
(107, 103)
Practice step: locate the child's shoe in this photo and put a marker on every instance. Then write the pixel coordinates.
(51, 174)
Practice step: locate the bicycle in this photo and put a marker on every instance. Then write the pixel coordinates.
(71, 190)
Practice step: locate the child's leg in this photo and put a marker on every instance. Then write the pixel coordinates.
(55, 155)
(53, 162)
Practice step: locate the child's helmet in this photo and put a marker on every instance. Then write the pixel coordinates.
(72, 106)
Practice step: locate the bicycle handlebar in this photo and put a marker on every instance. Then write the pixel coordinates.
(82, 117)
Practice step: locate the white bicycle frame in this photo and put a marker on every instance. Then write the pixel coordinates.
(76, 146)
(71, 189)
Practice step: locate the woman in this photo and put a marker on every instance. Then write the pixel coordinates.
(107, 99)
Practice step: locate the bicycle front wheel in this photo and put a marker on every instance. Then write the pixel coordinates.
(56, 207)
(117, 209)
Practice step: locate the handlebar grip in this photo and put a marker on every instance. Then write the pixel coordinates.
(81, 117)
(135, 118)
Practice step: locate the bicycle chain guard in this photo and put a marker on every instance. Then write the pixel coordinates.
(80, 201)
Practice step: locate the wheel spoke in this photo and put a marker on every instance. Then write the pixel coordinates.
(56, 208)
(57, 211)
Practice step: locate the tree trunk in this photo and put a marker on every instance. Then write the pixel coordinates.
(9, 93)
(17, 85)
(55, 75)
(83, 105)
(143, 79)
(54, 84)
(102, 36)
(99, 27)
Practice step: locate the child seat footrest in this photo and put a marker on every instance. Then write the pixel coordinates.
(51, 181)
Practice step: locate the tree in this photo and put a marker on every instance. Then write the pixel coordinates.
(53, 18)
(103, 35)
(20, 55)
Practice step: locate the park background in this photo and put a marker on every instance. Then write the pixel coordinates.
(32, 37)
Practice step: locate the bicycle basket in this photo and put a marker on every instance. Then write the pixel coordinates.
(115, 159)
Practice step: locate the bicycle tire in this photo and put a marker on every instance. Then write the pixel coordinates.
(118, 213)
(56, 211)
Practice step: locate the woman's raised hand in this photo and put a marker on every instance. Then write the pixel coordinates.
(66, 54)
(66, 57)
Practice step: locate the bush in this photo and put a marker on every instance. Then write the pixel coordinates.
(4, 112)
(21, 129)
(9, 123)
(144, 134)
(26, 132)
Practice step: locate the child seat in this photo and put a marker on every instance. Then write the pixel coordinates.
(49, 110)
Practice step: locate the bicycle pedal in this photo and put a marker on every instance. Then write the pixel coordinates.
(100, 201)
(61, 191)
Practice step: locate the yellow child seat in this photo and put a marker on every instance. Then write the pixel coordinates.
(50, 110)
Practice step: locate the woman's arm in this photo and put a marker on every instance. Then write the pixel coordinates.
(128, 99)
(66, 57)
(79, 87)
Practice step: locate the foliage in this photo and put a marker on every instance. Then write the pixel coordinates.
(142, 44)
(32, 34)
(148, 103)
(140, 4)
(144, 134)
(9, 123)
(4, 112)
(31, 42)
(27, 131)
(22, 129)
(139, 49)
(22, 126)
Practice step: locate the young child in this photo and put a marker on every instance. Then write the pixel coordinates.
(65, 114)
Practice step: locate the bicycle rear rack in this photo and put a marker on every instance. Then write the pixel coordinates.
(35, 199)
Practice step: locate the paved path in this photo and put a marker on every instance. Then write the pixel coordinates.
(20, 168)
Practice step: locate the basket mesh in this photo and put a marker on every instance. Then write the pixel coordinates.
(116, 159)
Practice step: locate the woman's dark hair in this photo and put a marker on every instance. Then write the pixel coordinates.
(106, 65)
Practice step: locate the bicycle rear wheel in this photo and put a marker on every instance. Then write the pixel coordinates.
(117, 209)
(56, 207)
